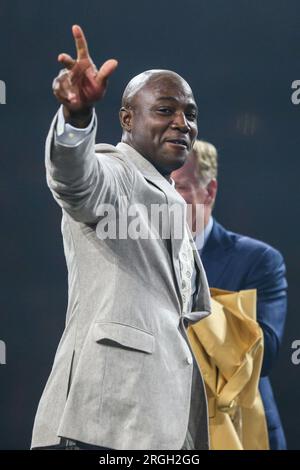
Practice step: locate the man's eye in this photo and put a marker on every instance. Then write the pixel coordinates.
(191, 116)
(165, 110)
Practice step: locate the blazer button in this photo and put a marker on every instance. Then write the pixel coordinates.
(189, 360)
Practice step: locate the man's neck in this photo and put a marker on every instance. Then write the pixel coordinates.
(167, 176)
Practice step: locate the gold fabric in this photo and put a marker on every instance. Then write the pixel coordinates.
(228, 346)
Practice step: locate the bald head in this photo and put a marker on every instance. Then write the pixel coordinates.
(151, 78)
(159, 118)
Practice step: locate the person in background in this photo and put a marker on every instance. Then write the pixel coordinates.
(235, 262)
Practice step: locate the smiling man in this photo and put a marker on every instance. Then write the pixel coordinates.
(124, 375)
(159, 118)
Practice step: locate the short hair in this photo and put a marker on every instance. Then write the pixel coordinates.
(142, 79)
(206, 161)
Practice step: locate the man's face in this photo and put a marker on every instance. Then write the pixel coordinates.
(187, 183)
(194, 193)
(164, 122)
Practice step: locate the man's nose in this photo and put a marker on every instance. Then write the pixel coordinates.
(180, 122)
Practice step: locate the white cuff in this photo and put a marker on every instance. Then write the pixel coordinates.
(69, 135)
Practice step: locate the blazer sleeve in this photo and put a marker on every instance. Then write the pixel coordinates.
(82, 180)
(268, 276)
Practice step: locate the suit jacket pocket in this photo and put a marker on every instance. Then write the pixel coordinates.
(124, 335)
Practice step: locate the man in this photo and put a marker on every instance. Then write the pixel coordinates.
(235, 262)
(124, 376)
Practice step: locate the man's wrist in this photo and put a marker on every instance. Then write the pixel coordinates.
(80, 119)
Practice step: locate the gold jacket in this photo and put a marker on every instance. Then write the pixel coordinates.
(228, 346)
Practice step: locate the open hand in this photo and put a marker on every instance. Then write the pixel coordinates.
(81, 84)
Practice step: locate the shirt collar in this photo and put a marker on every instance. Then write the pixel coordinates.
(202, 237)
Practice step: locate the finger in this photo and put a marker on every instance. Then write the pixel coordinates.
(80, 69)
(63, 92)
(64, 99)
(56, 84)
(106, 70)
(81, 43)
(66, 60)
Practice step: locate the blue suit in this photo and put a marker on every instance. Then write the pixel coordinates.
(235, 262)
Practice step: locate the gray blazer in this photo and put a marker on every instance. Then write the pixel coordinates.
(122, 374)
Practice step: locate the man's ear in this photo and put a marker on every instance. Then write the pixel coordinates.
(212, 189)
(125, 116)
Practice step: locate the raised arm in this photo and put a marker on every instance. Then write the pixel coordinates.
(80, 180)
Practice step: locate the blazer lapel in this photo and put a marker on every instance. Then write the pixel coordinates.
(152, 175)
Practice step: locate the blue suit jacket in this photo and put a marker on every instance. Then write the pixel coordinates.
(235, 262)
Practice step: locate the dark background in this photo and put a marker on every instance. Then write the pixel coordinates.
(240, 57)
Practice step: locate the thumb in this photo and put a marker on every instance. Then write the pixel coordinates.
(106, 70)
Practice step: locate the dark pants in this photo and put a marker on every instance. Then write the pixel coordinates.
(68, 444)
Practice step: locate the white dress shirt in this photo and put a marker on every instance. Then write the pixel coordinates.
(71, 136)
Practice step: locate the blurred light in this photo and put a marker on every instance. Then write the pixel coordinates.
(247, 124)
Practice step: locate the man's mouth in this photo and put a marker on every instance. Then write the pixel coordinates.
(182, 143)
